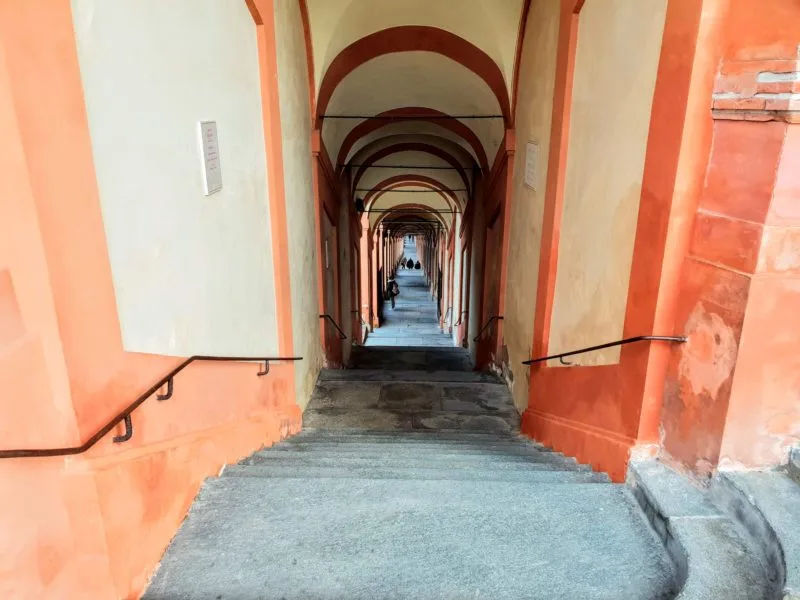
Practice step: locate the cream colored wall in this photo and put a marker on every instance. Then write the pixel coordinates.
(533, 119)
(619, 43)
(192, 274)
(296, 133)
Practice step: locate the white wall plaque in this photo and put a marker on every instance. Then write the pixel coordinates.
(212, 172)
(532, 165)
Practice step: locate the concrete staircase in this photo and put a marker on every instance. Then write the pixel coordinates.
(412, 484)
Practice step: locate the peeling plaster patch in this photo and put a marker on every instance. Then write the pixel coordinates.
(709, 356)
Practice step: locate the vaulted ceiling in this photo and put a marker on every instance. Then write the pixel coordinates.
(414, 97)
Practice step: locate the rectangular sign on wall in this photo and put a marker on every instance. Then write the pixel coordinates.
(531, 165)
(212, 172)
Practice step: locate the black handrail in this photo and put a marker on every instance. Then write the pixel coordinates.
(461, 318)
(485, 327)
(639, 338)
(447, 314)
(125, 414)
(342, 335)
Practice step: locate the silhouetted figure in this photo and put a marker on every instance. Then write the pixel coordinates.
(417, 266)
(410, 264)
(394, 291)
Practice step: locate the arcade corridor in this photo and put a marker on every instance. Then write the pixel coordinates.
(595, 369)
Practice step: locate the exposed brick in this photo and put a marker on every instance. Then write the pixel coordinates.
(738, 103)
(778, 87)
(743, 84)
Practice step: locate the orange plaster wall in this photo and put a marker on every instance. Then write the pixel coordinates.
(95, 525)
(599, 413)
(733, 394)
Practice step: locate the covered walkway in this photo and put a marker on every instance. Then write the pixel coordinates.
(203, 205)
(414, 319)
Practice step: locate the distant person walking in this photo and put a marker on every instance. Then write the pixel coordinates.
(394, 291)
(410, 264)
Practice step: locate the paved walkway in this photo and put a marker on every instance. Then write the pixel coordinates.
(413, 321)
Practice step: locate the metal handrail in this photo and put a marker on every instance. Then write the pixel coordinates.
(461, 318)
(342, 335)
(639, 338)
(125, 414)
(485, 327)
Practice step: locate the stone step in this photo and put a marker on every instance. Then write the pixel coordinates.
(384, 375)
(413, 459)
(446, 352)
(303, 472)
(270, 538)
(384, 419)
(774, 522)
(419, 449)
(416, 442)
(391, 434)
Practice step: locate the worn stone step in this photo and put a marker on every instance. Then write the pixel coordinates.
(301, 472)
(420, 449)
(772, 518)
(391, 434)
(351, 441)
(383, 375)
(450, 460)
(384, 419)
(362, 539)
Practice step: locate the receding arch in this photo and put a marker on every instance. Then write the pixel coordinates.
(411, 179)
(413, 38)
(420, 114)
(412, 147)
(410, 210)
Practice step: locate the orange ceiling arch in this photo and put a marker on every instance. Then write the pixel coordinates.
(420, 114)
(413, 38)
(411, 147)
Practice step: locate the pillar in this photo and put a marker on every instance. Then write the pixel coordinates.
(732, 394)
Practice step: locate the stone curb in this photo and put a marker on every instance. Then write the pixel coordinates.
(711, 559)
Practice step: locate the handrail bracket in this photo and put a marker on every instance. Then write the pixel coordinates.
(170, 389)
(118, 439)
(265, 371)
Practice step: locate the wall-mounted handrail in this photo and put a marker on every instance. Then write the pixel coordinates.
(639, 338)
(485, 327)
(124, 416)
(342, 335)
(447, 314)
(461, 318)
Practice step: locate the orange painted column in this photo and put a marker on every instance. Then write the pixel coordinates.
(365, 270)
(466, 278)
(374, 291)
(733, 392)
